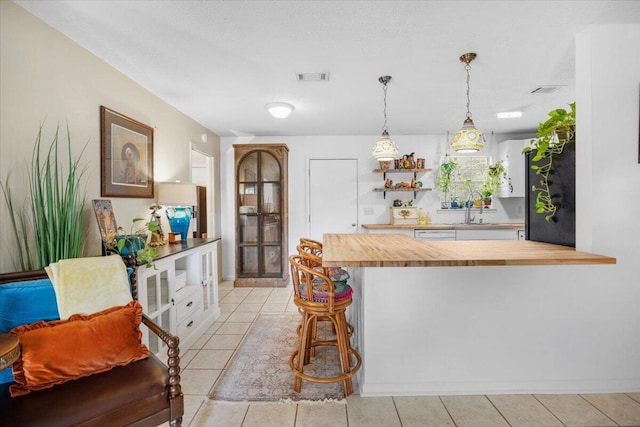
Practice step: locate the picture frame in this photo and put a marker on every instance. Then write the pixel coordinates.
(106, 221)
(126, 156)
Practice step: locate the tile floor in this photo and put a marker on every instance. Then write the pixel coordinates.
(203, 363)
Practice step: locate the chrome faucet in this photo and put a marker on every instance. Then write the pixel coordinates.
(468, 219)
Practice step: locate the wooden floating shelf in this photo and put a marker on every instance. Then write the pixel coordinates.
(401, 170)
(415, 190)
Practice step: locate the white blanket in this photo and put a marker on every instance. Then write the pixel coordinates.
(88, 285)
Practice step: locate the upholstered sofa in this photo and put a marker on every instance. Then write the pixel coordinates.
(142, 393)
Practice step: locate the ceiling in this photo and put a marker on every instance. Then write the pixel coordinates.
(220, 62)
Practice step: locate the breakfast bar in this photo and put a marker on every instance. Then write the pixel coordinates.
(476, 317)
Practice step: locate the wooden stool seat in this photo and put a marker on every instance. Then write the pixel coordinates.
(318, 298)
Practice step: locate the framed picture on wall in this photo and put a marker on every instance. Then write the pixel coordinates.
(126, 157)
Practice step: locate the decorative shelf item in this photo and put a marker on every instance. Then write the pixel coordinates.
(415, 186)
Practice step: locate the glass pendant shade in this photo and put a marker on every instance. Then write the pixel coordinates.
(468, 139)
(385, 149)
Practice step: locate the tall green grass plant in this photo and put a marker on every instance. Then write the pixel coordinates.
(47, 223)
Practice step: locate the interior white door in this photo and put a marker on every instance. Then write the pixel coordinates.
(333, 196)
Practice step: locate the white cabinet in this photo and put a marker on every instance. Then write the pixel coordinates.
(487, 234)
(181, 294)
(510, 152)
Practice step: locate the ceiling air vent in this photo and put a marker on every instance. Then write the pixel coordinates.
(312, 77)
(546, 89)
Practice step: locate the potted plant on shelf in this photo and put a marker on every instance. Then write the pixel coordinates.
(444, 175)
(135, 242)
(552, 137)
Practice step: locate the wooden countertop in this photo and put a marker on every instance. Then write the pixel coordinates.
(398, 250)
(496, 226)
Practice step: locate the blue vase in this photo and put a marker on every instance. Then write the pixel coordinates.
(179, 219)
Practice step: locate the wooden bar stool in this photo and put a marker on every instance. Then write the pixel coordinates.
(317, 297)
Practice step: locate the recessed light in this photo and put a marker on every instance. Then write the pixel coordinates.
(547, 89)
(509, 114)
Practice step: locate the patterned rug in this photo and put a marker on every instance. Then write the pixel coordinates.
(259, 371)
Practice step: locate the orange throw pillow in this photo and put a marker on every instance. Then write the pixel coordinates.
(63, 350)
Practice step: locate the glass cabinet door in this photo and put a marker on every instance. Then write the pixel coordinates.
(259, 231)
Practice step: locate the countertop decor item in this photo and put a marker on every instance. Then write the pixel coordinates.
(179, 198)
(468, 139)
(126, 156)
(385, 149)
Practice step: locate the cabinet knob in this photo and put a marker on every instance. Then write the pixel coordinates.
(353, 224)
(173, 302)
(190, 324)
(190, 304)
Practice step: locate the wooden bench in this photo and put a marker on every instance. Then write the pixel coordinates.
(142, 393)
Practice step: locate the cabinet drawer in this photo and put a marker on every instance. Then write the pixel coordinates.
(190, 323)
(188, 299)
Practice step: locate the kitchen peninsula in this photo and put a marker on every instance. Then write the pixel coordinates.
(458, 317)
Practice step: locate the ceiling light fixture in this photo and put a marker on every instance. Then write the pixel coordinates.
(385, 149)
(468, 139)
(509, 114)
(279, 110)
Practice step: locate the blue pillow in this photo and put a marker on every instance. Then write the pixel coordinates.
(23, 303)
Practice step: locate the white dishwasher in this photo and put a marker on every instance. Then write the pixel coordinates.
(435, 234)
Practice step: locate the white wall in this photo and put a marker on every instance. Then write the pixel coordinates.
(302, 148)
(45, 75)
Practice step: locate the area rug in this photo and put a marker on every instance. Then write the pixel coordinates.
(259, 370)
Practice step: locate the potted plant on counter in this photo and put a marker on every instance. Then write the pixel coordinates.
(552, 137)
(492, 181)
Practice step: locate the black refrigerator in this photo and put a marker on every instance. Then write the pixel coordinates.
(561, 230)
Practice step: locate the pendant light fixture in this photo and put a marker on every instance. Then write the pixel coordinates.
(468, 139)
(385, 149)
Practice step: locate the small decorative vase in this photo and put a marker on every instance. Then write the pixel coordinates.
(132, 244)
(179, 219)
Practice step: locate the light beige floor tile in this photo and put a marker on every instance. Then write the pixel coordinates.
(198, 381)
(210, 359)
(240, 291)
(228, 308)
(248, 308)
(474, 411)
(321, 415)
(186, 357)
(523, 410)
(422, 411)
(220, 414)
(223, 342)
(232, 299)
(573, 410)
(273, 308)
(237, 316)
(292, 307)
(371, 411)
(619, 407)
(200, 342)
(223, 317)
(278, 299)
(234, 328)
(270, 415)
(261, 291)
(634, 396)
(192, 404)
(255, 299)
(213, 328)
(282, 292)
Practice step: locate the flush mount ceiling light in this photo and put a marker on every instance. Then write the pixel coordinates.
(279, 110)
(385, 149)
(509, 114)
(468, 139)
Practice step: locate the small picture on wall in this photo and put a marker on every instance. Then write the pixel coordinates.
(106, 220)
(126, 158)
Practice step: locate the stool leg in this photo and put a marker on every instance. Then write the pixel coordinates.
(342, 337)
(305, 333)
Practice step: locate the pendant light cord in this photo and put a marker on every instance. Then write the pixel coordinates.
(468, 68)
(384, 89)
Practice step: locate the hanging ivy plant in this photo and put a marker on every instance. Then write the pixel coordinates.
(552, 136)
